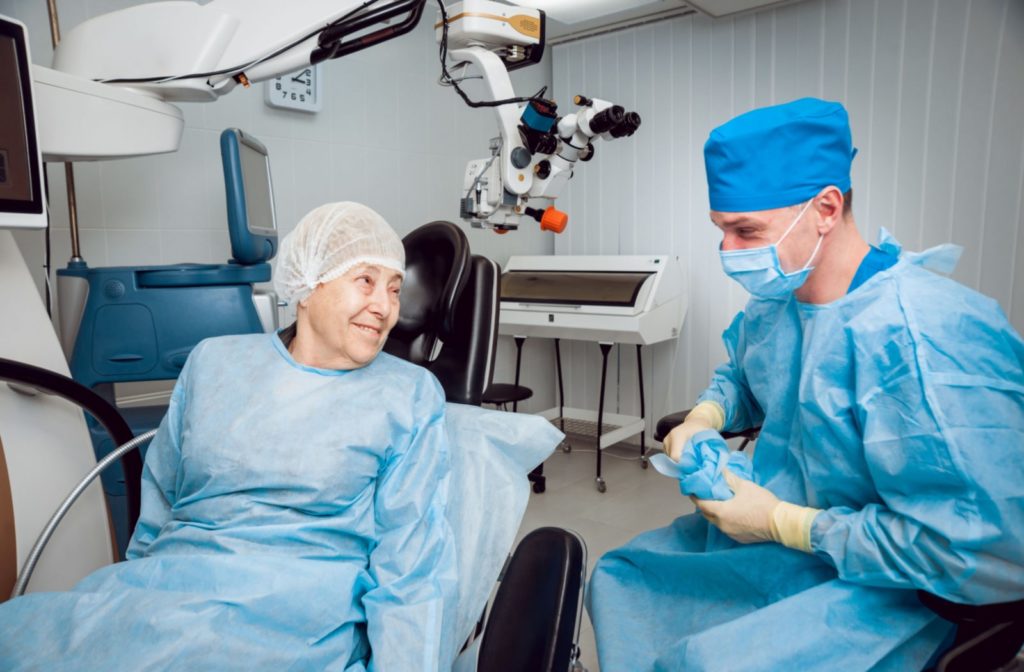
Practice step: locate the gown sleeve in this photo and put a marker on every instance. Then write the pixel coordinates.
(729, 386)
(160, 470)
(941, 406)
(410, 611)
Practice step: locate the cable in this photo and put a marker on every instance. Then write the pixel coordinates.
(487, 165)
(241, 68)
(76, 492)
(465, 66)
(448, 80)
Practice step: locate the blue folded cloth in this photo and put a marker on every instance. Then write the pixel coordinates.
(700, 467)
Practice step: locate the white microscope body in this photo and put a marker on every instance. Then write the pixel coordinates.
(536, 151)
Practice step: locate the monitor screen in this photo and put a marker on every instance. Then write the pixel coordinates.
(259, 193)
(249, 192)
(21, 180)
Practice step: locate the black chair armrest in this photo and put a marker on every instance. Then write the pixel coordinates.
(954, 612)
(535, 614)
(671, 421)
(988, 636)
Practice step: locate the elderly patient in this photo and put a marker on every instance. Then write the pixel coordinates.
(293, 497)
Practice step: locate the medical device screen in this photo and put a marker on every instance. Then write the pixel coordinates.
(21, 183)
(609, 288)
(259, 192)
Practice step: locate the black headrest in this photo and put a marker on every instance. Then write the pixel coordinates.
(465, 364)
(436, 271)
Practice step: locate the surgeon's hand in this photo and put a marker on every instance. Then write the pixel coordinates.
(705, 415)
(755, 514)
(747, 516)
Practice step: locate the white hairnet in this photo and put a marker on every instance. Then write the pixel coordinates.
(328, 242)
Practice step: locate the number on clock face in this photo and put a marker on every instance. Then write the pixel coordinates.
(301, 90)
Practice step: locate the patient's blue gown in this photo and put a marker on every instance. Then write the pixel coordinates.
(899, 410)
(293, 518)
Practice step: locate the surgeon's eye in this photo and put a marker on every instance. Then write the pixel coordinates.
(396, 291)
(364, 281)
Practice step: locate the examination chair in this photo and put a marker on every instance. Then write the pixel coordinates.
(448, 323)
(988, 636)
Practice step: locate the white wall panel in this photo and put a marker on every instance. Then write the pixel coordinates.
(934, 89)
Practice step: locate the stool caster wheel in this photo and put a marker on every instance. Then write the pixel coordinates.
(644, 462)
(601, 487)
(566, 447)
(539, 486)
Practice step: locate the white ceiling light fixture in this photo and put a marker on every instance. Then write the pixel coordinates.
(577, 11)
(570, 20)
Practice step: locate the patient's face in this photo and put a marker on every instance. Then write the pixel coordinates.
(351, 316)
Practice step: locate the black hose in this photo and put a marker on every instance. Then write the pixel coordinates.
(96, 406)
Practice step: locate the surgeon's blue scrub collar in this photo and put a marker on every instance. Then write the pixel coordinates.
(760, 271)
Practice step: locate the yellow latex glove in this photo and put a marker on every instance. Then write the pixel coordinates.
(754, 514)
(705, 415)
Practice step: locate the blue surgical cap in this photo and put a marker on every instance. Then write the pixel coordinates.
(778, 156)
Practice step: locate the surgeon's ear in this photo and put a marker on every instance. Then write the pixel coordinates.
(829, 206)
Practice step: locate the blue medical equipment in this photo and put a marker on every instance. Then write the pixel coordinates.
(139, 323)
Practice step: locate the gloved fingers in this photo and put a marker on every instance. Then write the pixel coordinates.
(676, 440)
(732, 480)
(708, 508)
(668, 445)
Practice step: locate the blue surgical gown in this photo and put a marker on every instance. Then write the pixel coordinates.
(898, 410)
(292, 519)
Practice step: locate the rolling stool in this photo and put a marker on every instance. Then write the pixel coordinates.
(503, 394)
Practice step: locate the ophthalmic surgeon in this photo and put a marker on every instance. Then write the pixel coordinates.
(293, 498)
(891, 405)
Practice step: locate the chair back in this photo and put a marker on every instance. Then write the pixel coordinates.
(448, 321)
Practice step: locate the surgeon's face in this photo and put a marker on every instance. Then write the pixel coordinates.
(761, 228)
(351, 316)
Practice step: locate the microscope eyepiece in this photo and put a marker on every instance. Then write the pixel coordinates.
(607, 119)
(628, 125)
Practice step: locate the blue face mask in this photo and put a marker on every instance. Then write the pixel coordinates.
(759, 270)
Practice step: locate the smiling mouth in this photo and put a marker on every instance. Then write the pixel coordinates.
(366, 329)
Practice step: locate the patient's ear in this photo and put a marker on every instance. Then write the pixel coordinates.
(304, 302)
